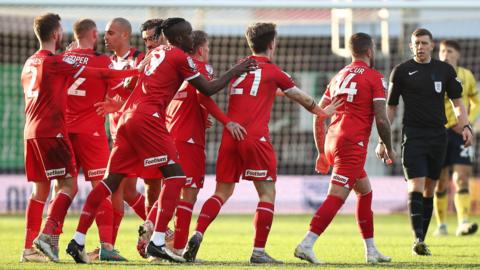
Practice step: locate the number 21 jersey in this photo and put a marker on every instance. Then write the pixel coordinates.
(252, 95)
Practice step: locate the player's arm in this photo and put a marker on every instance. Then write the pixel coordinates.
(383, 128)
(462, 120)
(209, 88)
(474, 98)
(105, 73)
(319, 133)
(238, 132)
(309, 103)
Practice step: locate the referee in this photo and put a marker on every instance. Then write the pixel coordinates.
(422, 83)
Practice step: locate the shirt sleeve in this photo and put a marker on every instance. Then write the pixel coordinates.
(284, 80)
(187, 67)
(394, 88)
(212, 108)
(473, 97)
(454, 86)
(379, 86)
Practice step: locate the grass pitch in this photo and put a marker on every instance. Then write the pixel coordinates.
(228, 244)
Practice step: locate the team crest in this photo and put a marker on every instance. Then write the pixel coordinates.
(191, 63)
(438, 87)
(209, 69)
(384, 84)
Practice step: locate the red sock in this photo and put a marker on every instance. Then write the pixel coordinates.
(182, 224)
(168, 201)
(364, 215)
(117, 220)
(152, 215)
(138, 206)
(209, 212)
(59, 228)
(59, 209)
(325, 213)
(99, 193)
(104, 219)
(263, 222)
(33, 217)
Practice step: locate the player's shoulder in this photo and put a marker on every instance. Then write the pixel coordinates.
(465, 72)
(373, 73)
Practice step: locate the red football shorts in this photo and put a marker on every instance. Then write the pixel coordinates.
(142, 142)
(91, 154)
(348, 160)
(252, 158)
(49, 158)
(192, 160)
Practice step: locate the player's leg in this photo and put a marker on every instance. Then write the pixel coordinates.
(440, 202)
(320, 221)
(133, 198)
(152, 191)
(263, 221)
(461, 175)
(364, 216)
(183, 217)
(33, 221)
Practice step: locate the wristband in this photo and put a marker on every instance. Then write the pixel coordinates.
(469, 127)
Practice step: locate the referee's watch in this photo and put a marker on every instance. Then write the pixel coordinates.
(469, 127)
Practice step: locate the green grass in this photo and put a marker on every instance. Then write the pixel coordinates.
(228, 244)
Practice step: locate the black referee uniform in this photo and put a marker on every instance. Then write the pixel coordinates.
(424, 138)
(422, 88)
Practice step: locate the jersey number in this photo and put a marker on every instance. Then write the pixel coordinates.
(346, 87)
(32, 90)
(253, 89)
(73, 89)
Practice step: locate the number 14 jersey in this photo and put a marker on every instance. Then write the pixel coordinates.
(358, 86)
(252, 95)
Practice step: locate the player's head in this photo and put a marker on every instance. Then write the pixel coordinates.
(178, 32)
(85, 30)
(117, 33)
(422, 45)
(449, 52)
(47, 28)
(152, 33)
(261, 38)
(201, 47)
(362, 47)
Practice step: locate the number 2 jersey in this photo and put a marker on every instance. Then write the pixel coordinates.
(358, 86)
(252, 95)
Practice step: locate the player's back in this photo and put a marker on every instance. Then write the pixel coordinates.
(358, 86)
(252, 95)
(83, 93)
(45, 97)
(169, 66)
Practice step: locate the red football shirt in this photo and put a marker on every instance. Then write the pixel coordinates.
(130, 60)
(252, 96)
(161, 79)
(44, 76)
(358, 86)
(83, 93)
(186, 118)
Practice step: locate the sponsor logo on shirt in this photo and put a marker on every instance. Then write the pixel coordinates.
(97, 172)
(339, 178)
(55, 172)
(155, 160)
(255, 173)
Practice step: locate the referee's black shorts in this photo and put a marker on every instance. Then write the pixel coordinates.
(457, 153)
(423, 152)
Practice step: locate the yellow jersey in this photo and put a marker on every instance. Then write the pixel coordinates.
(470, 98)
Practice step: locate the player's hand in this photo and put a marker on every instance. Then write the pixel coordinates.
(238, 132)
(73, 45)
(467, 136)
(244, 66)
(389, 157)
(380, 151)
(110, 105)
(332, 107)
(322, 166)
(209, 122)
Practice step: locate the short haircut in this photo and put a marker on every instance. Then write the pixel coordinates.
(199, 39)
(169, 29)
(422, 32)
(82, 26)
(45, 25)
(451, 43)
(260, 35)
(124, 23)
(359, 44)
(152, 23)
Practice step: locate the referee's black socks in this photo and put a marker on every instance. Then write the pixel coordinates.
(427, 214)
(416, 209)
